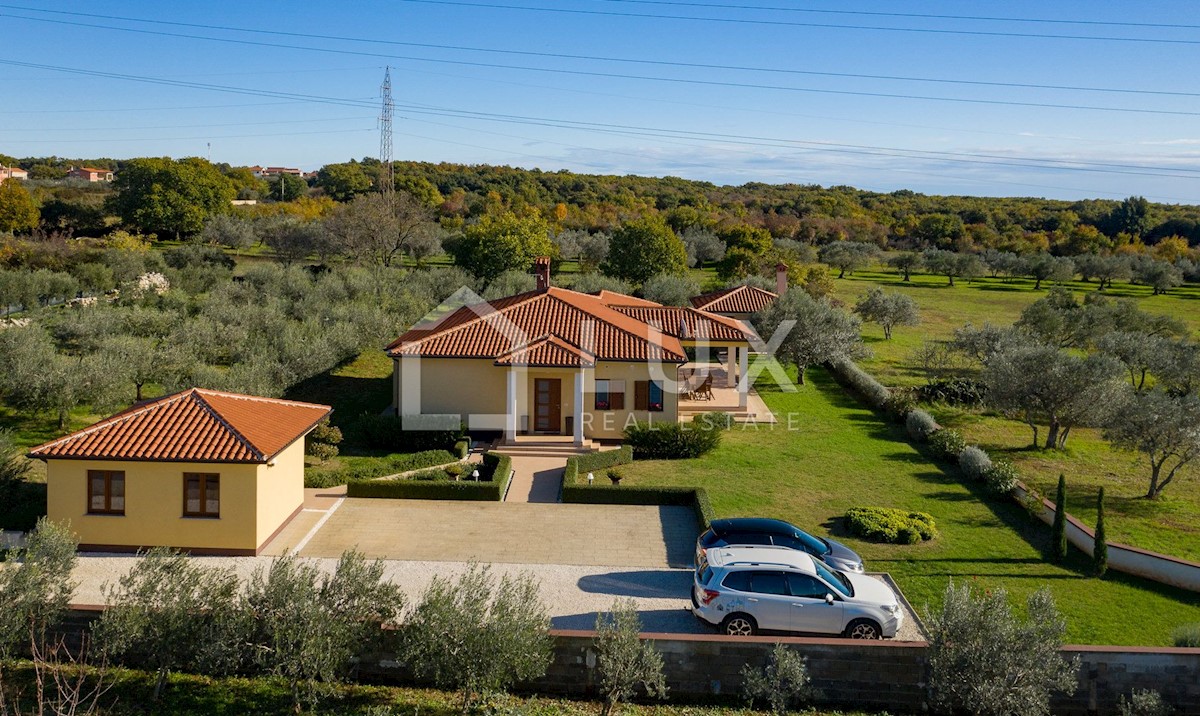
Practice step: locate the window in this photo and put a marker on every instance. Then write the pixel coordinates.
(737, 580)
(201, 494)
(106, 492)
(807, 587)
(648, 395)
(768, 583)
(610, 395)
(656, 397)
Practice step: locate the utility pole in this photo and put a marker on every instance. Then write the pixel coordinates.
(385, 135)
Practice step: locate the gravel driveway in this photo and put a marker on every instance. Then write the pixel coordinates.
(573, 594)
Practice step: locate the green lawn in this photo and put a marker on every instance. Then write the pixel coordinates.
(363, 385)
(839, 455)
(1171, 524)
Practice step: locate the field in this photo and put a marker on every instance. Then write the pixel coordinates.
(840, 455)
(1170, 524)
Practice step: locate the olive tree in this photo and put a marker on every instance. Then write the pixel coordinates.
(623, 660)
(887, 309)
(35, 585)
(1045, 267)
(814, 330)
(1138, 352)
(171, 613)
(670, 289)
(309, 625)
(703, 246)
(952, 264)
(374, 228)
(229, 230)
(848, 256)
(906, 263)
(1165, 428)
(782, 684)
(478, 634)
(510, 283)
(1044, 385)
(984, 659)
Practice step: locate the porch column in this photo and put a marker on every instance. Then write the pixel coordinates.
(743, 377)
(731, 367)
(510, 407)
(578, 411)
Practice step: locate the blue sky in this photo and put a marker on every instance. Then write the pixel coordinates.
(315, 101)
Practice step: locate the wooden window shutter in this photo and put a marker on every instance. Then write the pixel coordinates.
(616, 401)
(641, 395)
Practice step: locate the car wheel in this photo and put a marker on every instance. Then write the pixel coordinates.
(739, 625)
(864, 629)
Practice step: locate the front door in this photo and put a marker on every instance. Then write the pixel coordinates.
(547, 405)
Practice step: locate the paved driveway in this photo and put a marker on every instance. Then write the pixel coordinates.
(495, 532)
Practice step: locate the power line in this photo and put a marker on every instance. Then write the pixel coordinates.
(597, 58)
(915, 15)
(617, 75)
(172, 139)
(959, 157)
(183, 126)
(822, 25)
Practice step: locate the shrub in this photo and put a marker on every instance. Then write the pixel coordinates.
(23, 506)
(35, 595)
(984, 659)
(849, 374)
(713, 420)
(1031, 502)
(1187, 635)
(974, 462)
(954, 391)
(920, 425)
(461, 448)
(383, 432)
(478, 634)
(783, 684)
(670, 441)
(886, 524)
(1001, 477)
(899, 404)
(623, 660)
(947, 444)
(1058, 533)
(1143, 702)
(1100, 546)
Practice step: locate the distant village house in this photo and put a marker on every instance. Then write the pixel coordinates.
(12, 173)
(90, 174)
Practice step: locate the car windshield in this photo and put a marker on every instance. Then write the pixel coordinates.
(813, 545)
(834, 579)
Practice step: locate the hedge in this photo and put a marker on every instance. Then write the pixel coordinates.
(461, 448)
(486, 489)
(383, 432)
(579, 466)
(380, 467)
(887, 524)
(694, 497)
(672, 441)
(947, 444)
(849, 374)
(920, 425)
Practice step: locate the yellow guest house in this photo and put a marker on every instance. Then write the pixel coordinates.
(199, 470)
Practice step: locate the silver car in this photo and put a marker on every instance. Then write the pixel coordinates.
(745, 590)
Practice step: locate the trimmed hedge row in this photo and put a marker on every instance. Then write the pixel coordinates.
(381, 467)
(580, 465)
(886, 524)
(496, 467)
(849, 374)
(461, 448)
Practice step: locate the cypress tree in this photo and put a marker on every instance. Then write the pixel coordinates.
(1100, 551)
(1058, 537)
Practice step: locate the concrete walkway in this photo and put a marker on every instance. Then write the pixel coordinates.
(536, 479)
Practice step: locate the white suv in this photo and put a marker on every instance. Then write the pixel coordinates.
(748, 589)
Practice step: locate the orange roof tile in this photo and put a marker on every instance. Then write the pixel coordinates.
(739, 299)
(548, 352)
(493, 328)
(688, 323)
(612, 298)
(195, 425)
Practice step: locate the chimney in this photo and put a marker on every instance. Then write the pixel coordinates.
(541, 268)
(781, 278)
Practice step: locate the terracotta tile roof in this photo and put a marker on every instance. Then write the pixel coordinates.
(548, 352)
(195, 425)
(739, 299)
(493, 328)
(688, 323)
(612, 298)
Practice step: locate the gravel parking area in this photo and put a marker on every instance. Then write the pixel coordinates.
(573, 594)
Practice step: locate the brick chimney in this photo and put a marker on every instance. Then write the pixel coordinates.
(781, 278)
(541, 268)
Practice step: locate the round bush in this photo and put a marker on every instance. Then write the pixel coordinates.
(1187, 635)
(954, 391)
(899, 404)
(947, 443)
(887, 524)
(1001, 477)
(920, 425)
(974, 462)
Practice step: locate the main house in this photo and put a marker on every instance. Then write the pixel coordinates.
(199, 470)
(554, 361)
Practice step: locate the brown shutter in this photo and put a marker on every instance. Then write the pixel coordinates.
(616, 401)
(641, 395)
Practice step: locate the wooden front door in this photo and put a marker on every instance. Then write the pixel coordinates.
(547, 405)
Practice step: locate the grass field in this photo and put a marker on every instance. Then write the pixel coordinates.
(1170, 524)
(842, 455)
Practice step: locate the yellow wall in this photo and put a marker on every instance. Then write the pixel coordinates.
(610, 424)
(255, 501)
(453, 385)
(280, 490)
